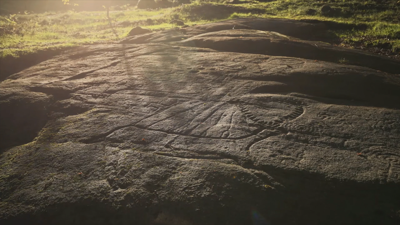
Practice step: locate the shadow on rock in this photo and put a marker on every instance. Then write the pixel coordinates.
(10, 65)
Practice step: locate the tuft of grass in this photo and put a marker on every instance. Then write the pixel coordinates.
(343, 61)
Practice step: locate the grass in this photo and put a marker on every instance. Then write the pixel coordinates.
(343, 61)
(26, 32)
(29, 33)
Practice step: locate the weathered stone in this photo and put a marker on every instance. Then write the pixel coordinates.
(311, 12)
(326, 9)
(178, 22)
(138, 31)
(203, 125)
(304, 30)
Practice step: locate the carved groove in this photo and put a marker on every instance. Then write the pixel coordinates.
(277, 123)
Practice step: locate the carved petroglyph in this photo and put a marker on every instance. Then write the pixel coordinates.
(197, 125)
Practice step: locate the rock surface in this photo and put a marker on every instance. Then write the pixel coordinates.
(226, 123)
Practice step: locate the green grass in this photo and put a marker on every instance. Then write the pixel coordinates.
(25, 33)
(29, 33)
